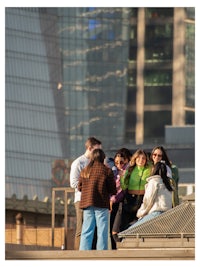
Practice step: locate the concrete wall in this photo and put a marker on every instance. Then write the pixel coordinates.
(180, 134)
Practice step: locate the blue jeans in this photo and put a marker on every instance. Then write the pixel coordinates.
(93, 216)
(146, 218)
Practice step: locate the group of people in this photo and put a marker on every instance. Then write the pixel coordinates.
(113, 194)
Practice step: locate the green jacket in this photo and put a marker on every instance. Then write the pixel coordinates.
(137, 178)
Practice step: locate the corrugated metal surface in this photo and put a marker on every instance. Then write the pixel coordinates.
(179, 220)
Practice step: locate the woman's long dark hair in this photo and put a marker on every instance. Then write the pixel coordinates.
(125, 153)
(161, 169)
(97, 155)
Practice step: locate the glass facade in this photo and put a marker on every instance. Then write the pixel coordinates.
(65, 81)
(72, 73)
(94, 50)
(34, 108)
(158, 71)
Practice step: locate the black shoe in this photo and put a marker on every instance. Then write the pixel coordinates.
(116, 238)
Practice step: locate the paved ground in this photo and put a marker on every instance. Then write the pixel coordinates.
(132, 254)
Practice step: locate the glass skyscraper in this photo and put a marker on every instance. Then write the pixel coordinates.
(72, 73)
(65, 81)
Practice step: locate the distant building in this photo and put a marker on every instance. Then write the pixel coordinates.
(120, 74)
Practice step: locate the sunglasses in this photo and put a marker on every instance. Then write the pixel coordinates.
(121, 163)
(158, 155)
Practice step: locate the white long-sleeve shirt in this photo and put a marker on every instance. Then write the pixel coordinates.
(76, 167)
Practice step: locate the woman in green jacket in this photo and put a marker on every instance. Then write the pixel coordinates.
(133, 182)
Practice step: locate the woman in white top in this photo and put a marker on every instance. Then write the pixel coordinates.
(158, 195)
(159, 154)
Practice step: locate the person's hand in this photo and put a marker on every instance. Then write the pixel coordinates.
(111, 206)
(121, 172)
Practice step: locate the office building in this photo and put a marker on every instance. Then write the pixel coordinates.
(120, 74)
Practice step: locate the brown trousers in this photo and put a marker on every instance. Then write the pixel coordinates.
(79, 222)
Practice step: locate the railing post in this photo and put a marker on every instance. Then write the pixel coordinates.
(19, 228)
(53, 218)
(66, 191)
(66, 218)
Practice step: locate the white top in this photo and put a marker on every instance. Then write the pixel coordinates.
(156, 198)
(76, 167)
(169, 172)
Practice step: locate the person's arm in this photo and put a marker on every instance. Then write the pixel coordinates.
(111, 183)
(74, 174)
(148, 200)
(175, 173)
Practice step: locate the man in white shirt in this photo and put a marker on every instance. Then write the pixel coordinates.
(76, 167)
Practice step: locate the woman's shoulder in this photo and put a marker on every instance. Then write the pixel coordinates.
(149, 163)
(147, 169)
(102, 166)
(154, 179)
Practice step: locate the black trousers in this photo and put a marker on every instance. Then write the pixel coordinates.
(127, 212)
(113, 213)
